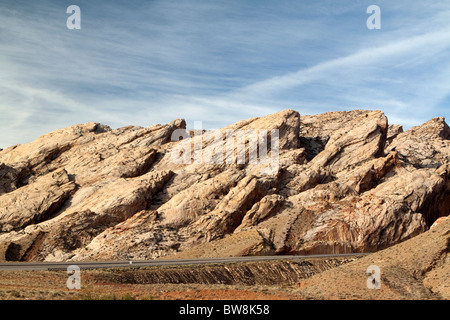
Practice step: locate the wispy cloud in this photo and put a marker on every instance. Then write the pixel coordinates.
(142, 63)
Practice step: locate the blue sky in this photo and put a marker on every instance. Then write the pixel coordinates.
(148, 62)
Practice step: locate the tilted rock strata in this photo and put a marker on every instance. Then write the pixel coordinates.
(344, 182)
(415, 269)
(29, 205)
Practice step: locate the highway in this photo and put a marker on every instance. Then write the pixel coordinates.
(23, 266)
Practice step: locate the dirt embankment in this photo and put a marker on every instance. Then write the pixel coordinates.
(276, 279)
(279, 272)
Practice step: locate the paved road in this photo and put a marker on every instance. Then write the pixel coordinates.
(21, 266)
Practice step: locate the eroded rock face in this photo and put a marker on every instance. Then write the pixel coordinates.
(35, 202)
(343, 182)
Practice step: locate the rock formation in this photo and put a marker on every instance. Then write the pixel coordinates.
(343, 182)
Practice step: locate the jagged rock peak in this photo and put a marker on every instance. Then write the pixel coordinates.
(345, 181)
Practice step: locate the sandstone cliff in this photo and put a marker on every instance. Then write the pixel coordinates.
(344, 182)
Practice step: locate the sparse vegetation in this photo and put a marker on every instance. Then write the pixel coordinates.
(92, 295)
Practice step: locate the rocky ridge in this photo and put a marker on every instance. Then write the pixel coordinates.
(346, 182)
